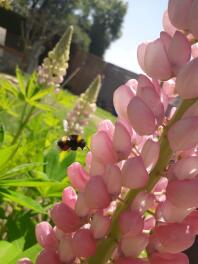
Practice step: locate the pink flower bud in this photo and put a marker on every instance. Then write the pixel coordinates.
(123, 260)
(65, 218)
(122, 97)
(69, 197)
(183, 193)
(150, 154)
(168, 27)
(59, 233)
(88, 160)
(186, 82)
(132, 245)
(65, 250)
(84, 244)
(77, 176)
(113, 175)
(134, 174)
(122, 141)
(102, 148)
(100, 225)
(24, 261)
(143, 202)
(178, 12)
(131, 222)
(45, 235)
(141, 117)
(81, 207)
(192, 220)
(186, 168)
(48, 257)
(106, 126)
(161, 185)
(96, 193)
(175, 237)
(167, 258)
(183, 135)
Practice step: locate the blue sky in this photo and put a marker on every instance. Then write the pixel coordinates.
(142, 22)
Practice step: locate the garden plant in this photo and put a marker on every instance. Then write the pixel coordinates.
(134, 197)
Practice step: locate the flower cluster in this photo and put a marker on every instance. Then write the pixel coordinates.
(137, 195)
(79, 117)
(54, 67)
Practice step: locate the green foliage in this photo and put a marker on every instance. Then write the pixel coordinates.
(32, 168)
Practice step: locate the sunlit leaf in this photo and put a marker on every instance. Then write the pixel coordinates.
(1, 134)
(22, 200)
(6, 153)
(8, 252)
(21, 81)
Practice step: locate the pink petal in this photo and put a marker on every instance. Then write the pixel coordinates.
(143, 202)
(45, 235)
(178, 12)
(194, 50)
(192, 220)
(65, 250)
(96, 193)
(141, 117)
(134, 174)
(121, 99)
(183, 193)
(131, 222)
(186, 168)
(187, 80)
(84, 244)
(132, 245)
(122, 141)
(106, 126)
(48, 257)
(141, 50)
(179, 52)
(191, 111)
(153, 101)
(167, 258)
(168, 27)
(69, 197)
(156, 62)
(149, 223)
(77, 175)
(183, 134)
(100, 225)
(81, 207)
(150, 154)
(97, 167)
(102, 148)
(65, 218)
(182, 237)
(113, 175)
(193, 19)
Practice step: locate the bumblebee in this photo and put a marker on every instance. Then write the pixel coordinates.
(72, 142)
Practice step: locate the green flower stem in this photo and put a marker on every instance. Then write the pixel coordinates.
(23, 123)
(106, 246)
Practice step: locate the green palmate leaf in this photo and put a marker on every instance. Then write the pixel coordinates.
(8, 252)
(56, 165)
(41, 106)
(31, 85)
(5, 154)
(9, 86)
(1, 134)
(21, 80)
(39, 95)
(30, 253)
(19, 169)
(22, 200)
(26, 183)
